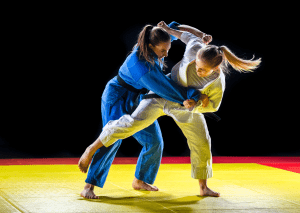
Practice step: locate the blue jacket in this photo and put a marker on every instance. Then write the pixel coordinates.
(141, 74)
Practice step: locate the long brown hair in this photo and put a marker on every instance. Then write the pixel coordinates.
(216, 56)
(154, 36)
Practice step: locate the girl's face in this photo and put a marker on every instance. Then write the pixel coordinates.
(202, 68)
(162, 49)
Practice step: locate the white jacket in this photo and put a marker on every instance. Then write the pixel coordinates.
(214, 90)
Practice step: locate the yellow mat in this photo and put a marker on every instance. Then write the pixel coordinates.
(56, 188)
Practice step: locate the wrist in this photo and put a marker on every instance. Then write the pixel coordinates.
(174, 25)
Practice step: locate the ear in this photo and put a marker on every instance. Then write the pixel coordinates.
(150, 45)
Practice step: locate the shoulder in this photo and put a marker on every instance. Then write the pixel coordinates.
(136, 66)
(222, 76)
(222, 79)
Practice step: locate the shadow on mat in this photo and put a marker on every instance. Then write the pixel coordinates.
(152, 204)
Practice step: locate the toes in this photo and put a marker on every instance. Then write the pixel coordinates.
(153, 188)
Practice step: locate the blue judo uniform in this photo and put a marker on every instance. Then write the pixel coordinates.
(117, 101)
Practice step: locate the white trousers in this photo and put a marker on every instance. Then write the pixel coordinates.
(193, 126)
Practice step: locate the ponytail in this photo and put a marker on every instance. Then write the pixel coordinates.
(220, 56)
(143, 43)
(150, 35)
(237, 63)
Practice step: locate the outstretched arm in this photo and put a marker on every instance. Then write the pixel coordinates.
(190, 29)
(177, 33)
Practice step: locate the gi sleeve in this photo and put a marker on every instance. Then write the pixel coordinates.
(215, 95)
(166, 88)
(173, 25)
(187, 37)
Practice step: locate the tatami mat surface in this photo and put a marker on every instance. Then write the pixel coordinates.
(244, 187)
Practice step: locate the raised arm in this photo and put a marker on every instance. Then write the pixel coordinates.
(181, 28)
(192, 30)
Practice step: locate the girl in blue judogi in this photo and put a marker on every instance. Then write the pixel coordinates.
(141, 69)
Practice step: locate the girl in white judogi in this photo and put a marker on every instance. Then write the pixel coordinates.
(201, 68)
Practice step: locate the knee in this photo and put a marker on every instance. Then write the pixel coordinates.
(157, 146)
(160, 145)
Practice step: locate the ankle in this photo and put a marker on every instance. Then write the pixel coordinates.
(203, 187)
(135, 180)
(203, 184)
(89, 186)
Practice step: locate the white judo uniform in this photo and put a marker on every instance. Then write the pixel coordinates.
(192, 123)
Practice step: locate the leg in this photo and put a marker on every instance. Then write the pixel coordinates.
(103, 157)
(150, 138)
(108, 113)
(146, 113)
(199, 143)
(150, 157)
(99, 169)
(101, 164)
(87, 156)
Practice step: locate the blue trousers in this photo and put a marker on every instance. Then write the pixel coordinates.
(150, 138)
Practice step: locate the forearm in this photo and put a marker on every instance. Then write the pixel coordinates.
(174, 32)
(182, 28)
(192, 30)
(163, 86)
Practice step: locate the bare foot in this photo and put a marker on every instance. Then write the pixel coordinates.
(85, 160)
(139, 184)
(88, 192)
(208, 192)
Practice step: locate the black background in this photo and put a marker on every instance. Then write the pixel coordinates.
(57, 60)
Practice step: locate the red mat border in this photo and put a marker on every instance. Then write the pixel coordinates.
(165, 160)
(286, 163)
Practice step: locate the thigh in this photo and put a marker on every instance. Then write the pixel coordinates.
(146, 115)
(196, 132)
(112, 111)
(148, 110)
(150, 135)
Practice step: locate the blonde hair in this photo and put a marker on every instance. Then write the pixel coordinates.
(215, 56)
